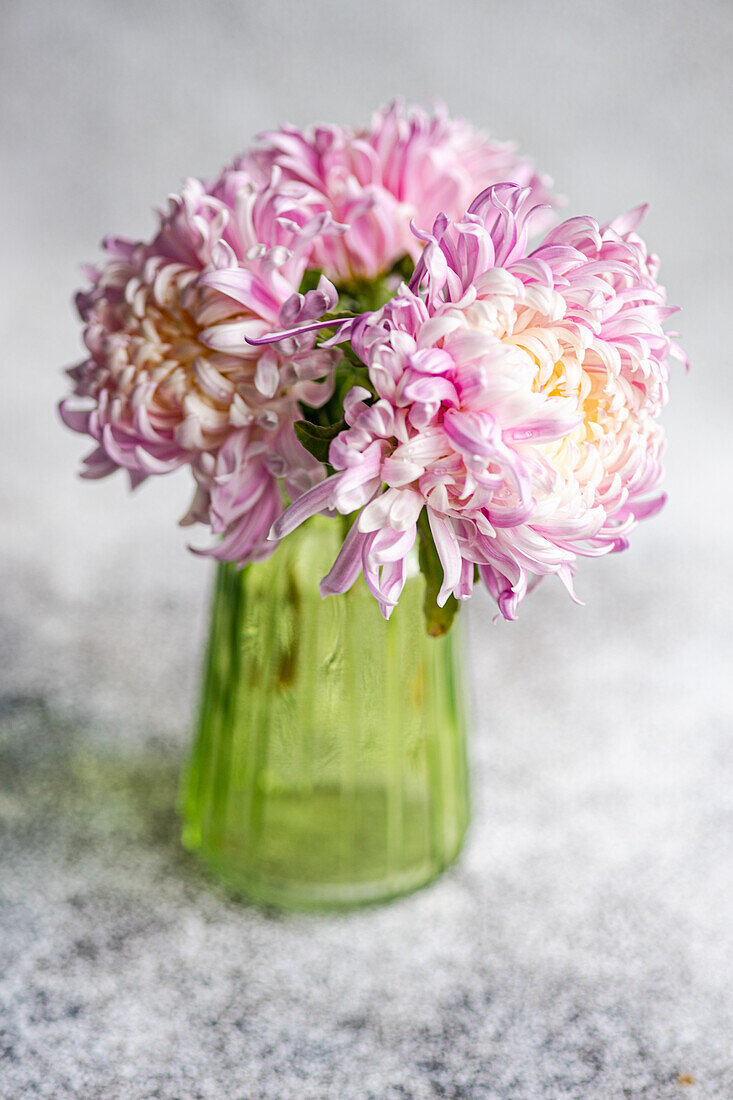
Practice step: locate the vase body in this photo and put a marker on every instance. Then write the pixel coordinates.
(329, 766)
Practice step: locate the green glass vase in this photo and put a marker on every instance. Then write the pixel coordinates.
(329, 767)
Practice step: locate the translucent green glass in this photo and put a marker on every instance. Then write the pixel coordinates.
(329, 767)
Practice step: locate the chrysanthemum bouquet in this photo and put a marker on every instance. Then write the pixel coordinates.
(388, 325)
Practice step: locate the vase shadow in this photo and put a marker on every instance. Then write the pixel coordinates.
(103, 804)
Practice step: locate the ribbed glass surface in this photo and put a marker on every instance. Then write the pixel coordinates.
(329, 767)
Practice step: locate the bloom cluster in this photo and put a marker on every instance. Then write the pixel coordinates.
(499, 408)
(406, 167)
(516, 396)
(170, 379)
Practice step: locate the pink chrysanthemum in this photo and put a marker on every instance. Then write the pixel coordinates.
(170, 378)
(405, 166)
(517, 397)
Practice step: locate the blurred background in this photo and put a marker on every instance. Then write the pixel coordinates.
(584, 945)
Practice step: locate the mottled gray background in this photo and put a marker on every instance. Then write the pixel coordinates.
(583, 947)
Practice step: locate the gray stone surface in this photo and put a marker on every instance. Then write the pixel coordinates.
(583, 947)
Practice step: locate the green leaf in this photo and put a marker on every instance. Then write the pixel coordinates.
(310, 280)
(316, 438)
(403, 267)
(438, 619)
